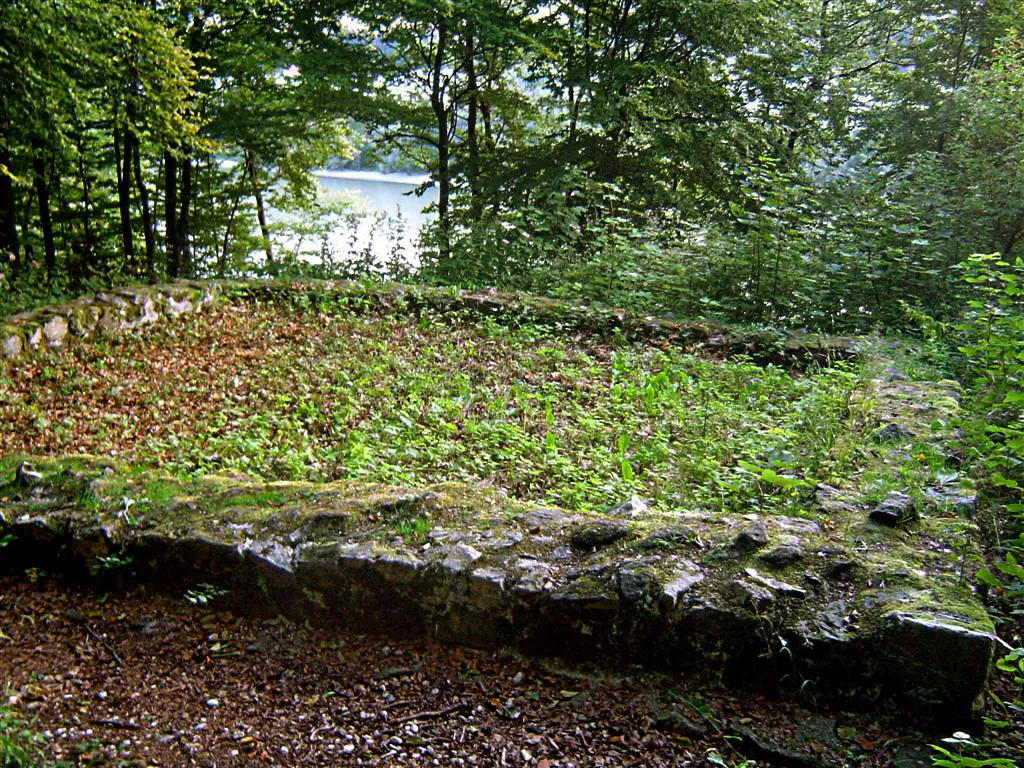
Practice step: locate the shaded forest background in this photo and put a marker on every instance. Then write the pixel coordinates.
(823, 164)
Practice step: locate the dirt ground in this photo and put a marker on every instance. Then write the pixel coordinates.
(140, 679)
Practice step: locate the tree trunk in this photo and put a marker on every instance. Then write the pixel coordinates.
(171, 243)
(443, 146)
(472, 139)
(88, 254)
(122, 167)
(27, 248)
(223, 260)
(43, 198)
(147, 218)
(8, 223)
(261, 213)
(184, 257)
(1014, 231)
(62, 214)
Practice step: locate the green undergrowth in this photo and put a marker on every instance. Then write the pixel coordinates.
(20, 745)
(323, 392)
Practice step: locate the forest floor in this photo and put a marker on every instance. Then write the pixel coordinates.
(569, 418)
(142, 679)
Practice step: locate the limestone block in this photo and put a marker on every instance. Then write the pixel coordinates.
(13, 346)
(55, 329)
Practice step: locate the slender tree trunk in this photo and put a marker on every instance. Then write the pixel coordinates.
(43, 198)
(1013, 234)
(62, 207)
(222, 262)
(122, 167)
(88, 253)
(184, 256)
(27, 248)
(261, 212)
(485, 112)
(472, 138)
(8, 223)
(443, 145)
(171, 243)
(147, 218)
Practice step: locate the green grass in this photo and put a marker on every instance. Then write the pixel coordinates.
(281, 392)
(19, 745)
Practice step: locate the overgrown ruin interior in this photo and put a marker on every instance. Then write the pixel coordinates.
(857, 593)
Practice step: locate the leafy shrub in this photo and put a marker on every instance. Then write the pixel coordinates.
(991, 333)
(993, 329)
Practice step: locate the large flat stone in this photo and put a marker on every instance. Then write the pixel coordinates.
(935, 659)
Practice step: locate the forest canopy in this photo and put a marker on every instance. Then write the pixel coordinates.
(820, 164)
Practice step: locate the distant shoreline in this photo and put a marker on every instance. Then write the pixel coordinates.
(408, 179)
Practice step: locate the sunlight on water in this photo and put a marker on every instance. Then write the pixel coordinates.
(364, 216)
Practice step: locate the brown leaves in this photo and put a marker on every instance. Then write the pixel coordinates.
(288, 695)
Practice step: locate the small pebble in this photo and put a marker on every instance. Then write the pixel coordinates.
(212, 703)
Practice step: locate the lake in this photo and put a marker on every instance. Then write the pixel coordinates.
(366, 217)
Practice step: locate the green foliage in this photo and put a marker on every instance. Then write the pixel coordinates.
(323, 393)
(813, 212)
(31, 290)
(113, 71)
(1013, 664)
(985, 192)
(959, 755)
(989, 336)
(1011, 586)
(704, 159)
(413, 530)
(112, 562)
(19, 746)
(203, 594)
(991, 330)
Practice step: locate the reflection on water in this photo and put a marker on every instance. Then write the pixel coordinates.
(365, 217)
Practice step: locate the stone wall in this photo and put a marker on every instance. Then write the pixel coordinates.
(123, 309)
(111, 311)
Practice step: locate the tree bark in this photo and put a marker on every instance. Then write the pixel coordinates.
(171, 242)
(147, 218)
(261, 213)
(184, 257)
(43, 198)
(62, 213)
(223, 260)
(8, 223)
(122, 168)
(472, 138)
(88, 254)
(443, 174)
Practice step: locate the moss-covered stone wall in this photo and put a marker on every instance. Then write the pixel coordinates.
(104, 312)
